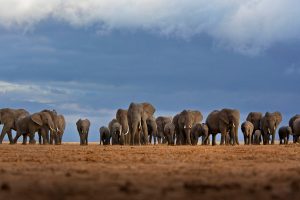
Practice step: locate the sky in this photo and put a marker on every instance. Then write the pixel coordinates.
(86, 59)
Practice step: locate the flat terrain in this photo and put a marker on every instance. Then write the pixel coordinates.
(73, 172)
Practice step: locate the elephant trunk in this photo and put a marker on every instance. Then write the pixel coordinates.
(188, 136)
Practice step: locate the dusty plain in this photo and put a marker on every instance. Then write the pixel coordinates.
(71, 171)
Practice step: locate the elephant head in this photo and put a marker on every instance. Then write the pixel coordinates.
(230, 120)
(53, 133)
(186, 120)
(169, 133)
(137, 115)
(83, 127)
(197, 131)
(269, 124)
(61, 125)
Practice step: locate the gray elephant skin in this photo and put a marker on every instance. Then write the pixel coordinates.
(291, 123)
(199, 130)
(269, 124)
(137, 115)
(117, 136)
(284, 133)
(83, 127)
(161, 122)
(169, 133)
(9, 117)
(61, 126)
(257, 137)
(226, 122)
(152, 129)
(105, 135)
(185, 121)
(247, 129)
(121, 117)
(29, 125)
(296, 128)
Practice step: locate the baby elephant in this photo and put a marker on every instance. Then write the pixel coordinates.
(104, 135)
(257, 137)
(83, 127)
(115, 129)
(284, 134)
(247, 129)
(197, 131)
(169, 133)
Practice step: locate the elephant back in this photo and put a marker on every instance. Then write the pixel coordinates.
(291, 121)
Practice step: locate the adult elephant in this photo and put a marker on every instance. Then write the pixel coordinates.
(161, 122)
(226, 122)
(29, 125)
(255, 118)
(296, 128)
(284, 133)
(53, 132)
(269, 124)
(105, 135)
(9, 117)
(83, 127)
(61, 125)
(115, 129)
(291, 122)
(176, 136)
(121, 117)
(137, 115)
(186, 120)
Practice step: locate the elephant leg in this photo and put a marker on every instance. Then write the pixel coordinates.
(3, 132)
(273, 138)
(31, 138)
(17, 137)
(223, 135)
(150, 138)
(145, 130)
(245, 139)
(40, 137)
(287, 139)
(10, 138)
(213, 139)
(24, 139)
(52, 138)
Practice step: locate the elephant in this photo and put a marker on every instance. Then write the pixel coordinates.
(257, 137)
(247, 129)
(199, 130)
(186, 120)
(29, 125)
(269, 124)
(152, 129)
(175, 122)
(226, 122)
(121, 117)
(53, 133)
(9, 117)
(61, 125)
(284, 133)
(161, 122)
(296, 128)
(291, 122)
(115, 129)
(137, 115)
(83, 126)
(104, 135)
(255, 119)
(169, 133)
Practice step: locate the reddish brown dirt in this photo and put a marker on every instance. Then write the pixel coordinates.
(72, 172)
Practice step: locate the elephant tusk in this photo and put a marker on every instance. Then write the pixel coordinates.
(269, 131)
(52, 129)
(190, 126)
(274, 128)
(233, 125)
(127, 131)
(184, 126)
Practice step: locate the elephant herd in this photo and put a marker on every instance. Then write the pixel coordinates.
(138, 126)
(49, 125)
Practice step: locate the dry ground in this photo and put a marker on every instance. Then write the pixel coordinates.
(72, 172)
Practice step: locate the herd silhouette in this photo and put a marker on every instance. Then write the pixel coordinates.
(138, 126)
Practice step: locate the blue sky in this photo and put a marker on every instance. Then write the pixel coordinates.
(87, 59)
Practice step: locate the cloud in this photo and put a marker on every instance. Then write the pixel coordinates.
(248, 26)
(292, 70)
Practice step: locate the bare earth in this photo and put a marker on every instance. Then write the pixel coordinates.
(72, 172)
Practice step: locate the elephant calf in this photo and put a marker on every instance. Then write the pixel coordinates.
(169, 133)
(104, 135)
(257, 137)
(284, 134)
(115, 129)
(83, 127)
(247, 129)
(199, 130)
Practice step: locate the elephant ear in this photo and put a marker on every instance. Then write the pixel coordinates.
(78, 122)
(278, 117)
(198, 117)
(36, 118)
(148, 108)
(224, 117)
